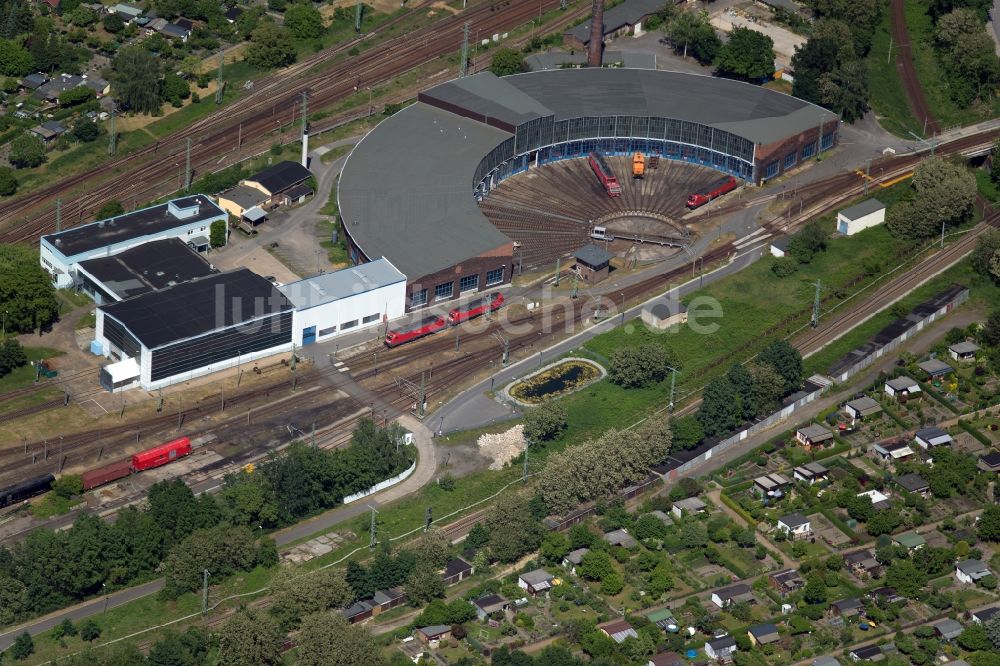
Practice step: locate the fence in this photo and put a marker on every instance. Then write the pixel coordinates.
(382, 485)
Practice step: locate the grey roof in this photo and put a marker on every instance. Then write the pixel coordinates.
(902, 383)
(971, 567)
(147, 267)
(690, 504)
(793, 7)
(986, 614)
(733, 591)
(964, 347)
(576, 556)
(825, 661)
(816, 468)
(54, 126)
(627, 13)
(456, 566)
(244, 196)
(385, 596)
(34, 80)
(620, 538)
(486, 98)
(593, 255)
(173, 30)
(329, 287)
(557, 59)
(490, 600)
(991, 459)
(865, 405)
(816, 432)
(932, 433)
(935, 366)
(851, 603)
(435, 630)
(255, 214)
(281, 176)
(763, 630)
(536, 577)
(421, 213)
(912, 482)
(722, 643)
(866, 207)
(948, 628)
(794, 520)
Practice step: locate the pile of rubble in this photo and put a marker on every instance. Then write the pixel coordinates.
(502, 447)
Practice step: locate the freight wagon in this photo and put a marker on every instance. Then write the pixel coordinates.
(716, 189)
(25, 490)
(161, 455)
(111, 472)
(419, 329)
(605, 175)
(475, 308)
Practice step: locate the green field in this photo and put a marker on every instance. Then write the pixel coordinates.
(888, 100)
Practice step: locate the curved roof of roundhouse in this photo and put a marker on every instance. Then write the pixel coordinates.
(406, 191)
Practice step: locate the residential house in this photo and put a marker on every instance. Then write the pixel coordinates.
(913, 483)
(721, 649)
(786, 582)
(51, 89)
(971, 572)
(388, 599)
(847, 607)
(931, 437)
(771, 485)
(862, 563)
(34, 81)
(963, 351)
(618, 630)
(910, 541)
(812, 472)
(948, 629)
(880, 501)
(535, 582)
(814, 436)
(666, 659)
(276, 180)
(862, 408)
(359, 611)
(886, 594)
(891, 451)
(664, 619)
(489, 605)
(763, 634)
(174, 31)
(457, 569)
(903, 389)
(867, 653)
(729, 596)
(989, 462)
(985, 615)
(433, 635)
(574, 558)
(935, 368)
(795, 525)
(691, 505)
(620, 538)
(49, 131)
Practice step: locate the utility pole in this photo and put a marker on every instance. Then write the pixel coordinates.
(673, 383)
(815, 317)
(463, 68)
(558, 259)
(219, 85)
(112, 137)
(506, 346)
(187, 167)
(372, 528)
(524, 473)
(58, 215)
(428, 518)
(942, 234)
(888, 58)
(575, 289)
(868, 169)
(314, 435)
(204, 591)
(357, 17)
(423, 395)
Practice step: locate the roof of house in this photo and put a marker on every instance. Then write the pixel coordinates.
(867, 651)
(816, 432)
(964, 347)
(811, 469)
(593, 255)
(851, 603)
(991, 459)
(617, 628)
(386, 596)
(733, 591)
(666, 659)
(130, 226)
(903, 384)
(935, 367)
(769, 481)
(54, 126)
(664, 615)
(627, 13)
(763, 630)
(358, 607)
(576, 556)
(190, 309)
(244, 196)
(281, 176)
(722, 643)
(793, 520)
(148, 267)
(910, 540)
(690, 504)
(876, 496)
(620, 538)
(299, 191)
(661, 515)
(489, 601)
(536, 577)
(328, 287)
(859, 210)
(788, 578)
(865, 405)
(825, 661)
(233, 13)
(972, 567)
(948, 628)
(932, 434)
(455, 566)
(986, 614)
(34, 80)
(174, 30)
(912, 482)
(435, 630)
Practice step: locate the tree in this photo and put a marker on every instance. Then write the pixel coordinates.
(555, 546)
(304, 21)
(135, 77)
(844, 90)
(217, 233)
(74, 96)
(90, 631)
(906, 577)
(693, 31)
(595, 565)
(545, 422)
(328, 639)
(748, 55)
(944, 195)
(186, 649)
(814, 591)
(513, 529)
(812, 60)
(782, 267)
(989, 523)
(508, 61)
(26, 151)
(687, 432)
(67, 485)
(23, 646)
(478, 536)
(8, 182)
(14, 59)
(13, 599)
(807, 243)
(110, 209)
(86, 130)
(27, 296)
(742, 382)
(953, 25)
(635, 367)
(296, 597)
(66, 628)
(650, 527)
(250, 637)
(222, 549)
(694, 534)
(768, 387)
(974, 638)
(113, 23)
(433, 547)
(992, 629)
(271, 46)
(720, 407)
(786, 360)
(424, 584)
(174, 89)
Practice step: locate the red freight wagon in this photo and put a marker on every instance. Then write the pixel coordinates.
(716, 189)
(475, 308)
(605, 175)
(425, 326)
(161, 455)
(107, 474)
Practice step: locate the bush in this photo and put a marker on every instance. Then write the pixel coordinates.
(90, 631)
(446, 482)
(545, 422)
(635, 367)
(68, 485)
(23, 647)
(784, 266)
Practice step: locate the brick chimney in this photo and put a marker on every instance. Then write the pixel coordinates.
(595, 49)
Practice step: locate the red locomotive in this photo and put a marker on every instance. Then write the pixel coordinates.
(161, 455)
(605, 175)
(419, 329)
(475, 308)
(716, 189)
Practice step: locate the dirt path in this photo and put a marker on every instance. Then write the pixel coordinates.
(716, 497)
(907, 72)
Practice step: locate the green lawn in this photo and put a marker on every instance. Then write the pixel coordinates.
(887, 97)
(26, 374)
(986, 186)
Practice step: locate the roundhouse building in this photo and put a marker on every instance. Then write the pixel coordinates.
(409, 189)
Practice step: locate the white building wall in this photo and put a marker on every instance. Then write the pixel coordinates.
(387, 302)
(851, 227)
(146, 366)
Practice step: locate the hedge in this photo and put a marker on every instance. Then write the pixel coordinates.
(894, 416)
(967, 427)
(732, 504)
(938, 397)
(838, 523)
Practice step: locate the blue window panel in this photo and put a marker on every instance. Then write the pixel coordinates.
(443, 291)
(808, 150)
(771, 170)
(827, 141)
(790, 159)
(418, 298)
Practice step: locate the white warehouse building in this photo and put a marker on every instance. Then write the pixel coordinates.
(188, 219)
(859, 217)
(345, 301)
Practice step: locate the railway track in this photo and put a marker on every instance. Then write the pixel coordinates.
(260, 114)
(915, 97)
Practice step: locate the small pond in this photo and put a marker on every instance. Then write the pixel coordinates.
(555, 380)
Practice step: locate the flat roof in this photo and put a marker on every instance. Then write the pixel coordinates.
(935, 366)
(194, 308)
(281, 176)
(964, 347)
(815, 431)
(858, 210)
(148, 267)
(592, 255)
(329, 287)
(244, 196)
(794, 520)
(629, 12)
(129, 226)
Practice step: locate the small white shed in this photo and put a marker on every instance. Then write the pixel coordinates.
(860, 216)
